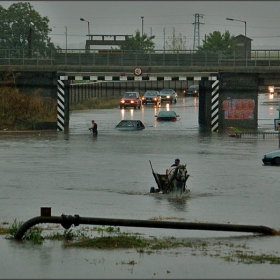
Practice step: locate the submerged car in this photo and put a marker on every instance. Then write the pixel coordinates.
(131, 99)
(130, 125)
(272, 158)
(151, 97)
(167, 116)
(192, 90)
(169, 95)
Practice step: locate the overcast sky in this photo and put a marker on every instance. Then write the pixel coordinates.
(161, 18)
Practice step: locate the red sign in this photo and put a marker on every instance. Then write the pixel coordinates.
(137, 71)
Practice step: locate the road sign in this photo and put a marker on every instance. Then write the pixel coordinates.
(137, 71)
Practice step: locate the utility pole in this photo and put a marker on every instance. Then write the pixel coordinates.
(196, 39)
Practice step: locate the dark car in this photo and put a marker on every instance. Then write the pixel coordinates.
(130, 125)
(272, 158)
(151, 97)
(167, 116)
(192, 90)
(169, 95)
(131, 99)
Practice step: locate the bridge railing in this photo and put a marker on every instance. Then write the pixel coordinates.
(81, 57)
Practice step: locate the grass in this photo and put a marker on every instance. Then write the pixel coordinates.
(97, 103)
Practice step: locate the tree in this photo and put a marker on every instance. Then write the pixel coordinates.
(216, 42)
(176, 43)
(22, 28)
(140, 43)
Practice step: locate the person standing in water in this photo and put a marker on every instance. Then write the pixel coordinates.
(93, 128)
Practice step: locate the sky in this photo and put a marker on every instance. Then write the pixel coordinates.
(161, 19)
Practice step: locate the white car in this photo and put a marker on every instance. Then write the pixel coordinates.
(272, 158)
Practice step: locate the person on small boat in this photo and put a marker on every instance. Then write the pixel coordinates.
(176, 163)
(93, 128)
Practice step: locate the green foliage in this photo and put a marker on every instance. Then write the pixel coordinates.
(14, 228)
(140, 43)
(216, 42)
(34, 235)
(109, 229)
(21, 25)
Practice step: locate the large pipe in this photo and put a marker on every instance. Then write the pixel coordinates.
(67, 221)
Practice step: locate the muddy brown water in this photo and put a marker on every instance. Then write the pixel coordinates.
(110, 176)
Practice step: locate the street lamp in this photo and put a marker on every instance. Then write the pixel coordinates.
(88, 25)
(245, 35)
(142, 25)
(66, 36)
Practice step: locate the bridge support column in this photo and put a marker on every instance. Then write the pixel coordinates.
(62, 104)
(209, 104)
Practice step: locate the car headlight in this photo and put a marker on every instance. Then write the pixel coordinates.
(122, 101)
(132, 101)
(167, 96)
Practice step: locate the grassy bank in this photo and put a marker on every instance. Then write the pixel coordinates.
(97, 103)
(22, 111)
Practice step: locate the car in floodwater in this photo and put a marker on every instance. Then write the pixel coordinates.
(167, 116)
(151, 97)
(271, 158)
(131, 99)
(169, 95)
(192, 91)
(130, 125)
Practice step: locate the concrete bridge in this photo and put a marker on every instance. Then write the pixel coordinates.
(228, 95)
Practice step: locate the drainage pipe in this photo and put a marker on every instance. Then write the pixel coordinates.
(68, 221)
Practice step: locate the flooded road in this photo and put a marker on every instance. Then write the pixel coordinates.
(109, 176)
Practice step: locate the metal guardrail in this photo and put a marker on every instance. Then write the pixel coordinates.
(184, 58)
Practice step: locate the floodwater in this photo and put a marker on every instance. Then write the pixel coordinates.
(109, 176)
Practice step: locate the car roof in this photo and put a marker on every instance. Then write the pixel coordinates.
(194, 86)
(166, 113)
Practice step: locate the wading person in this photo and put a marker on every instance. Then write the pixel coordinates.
(93, 128)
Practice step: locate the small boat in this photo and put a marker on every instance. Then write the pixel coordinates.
(130, 125)
(174, 180)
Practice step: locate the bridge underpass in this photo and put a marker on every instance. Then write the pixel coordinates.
(225, 100)
(234, 88)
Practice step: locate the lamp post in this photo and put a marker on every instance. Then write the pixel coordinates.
(142, 24)
(232, 19)
(88, 25)
(66, 36)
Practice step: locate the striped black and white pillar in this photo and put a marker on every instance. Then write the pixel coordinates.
(215, 106)
(60, 104)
